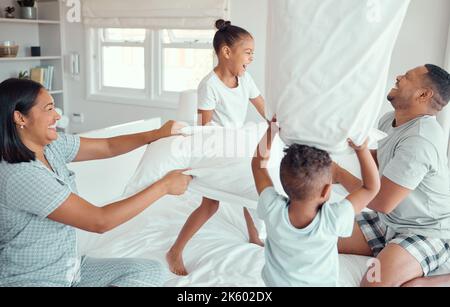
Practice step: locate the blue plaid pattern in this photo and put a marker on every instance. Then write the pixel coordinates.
(120, 273)
(34, 250)
(429, 252)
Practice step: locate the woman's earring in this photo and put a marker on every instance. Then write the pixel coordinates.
(21, 127)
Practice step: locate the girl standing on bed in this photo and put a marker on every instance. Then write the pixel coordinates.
(224, 96)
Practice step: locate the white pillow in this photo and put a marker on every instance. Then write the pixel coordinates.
(329, 66)
(220, 159)
(227, 178)
(156, 162)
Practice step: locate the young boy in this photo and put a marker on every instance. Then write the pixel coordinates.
(303, 231)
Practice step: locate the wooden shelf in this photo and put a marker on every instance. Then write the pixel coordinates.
(46, 31)
(30, 58)
(29, 21)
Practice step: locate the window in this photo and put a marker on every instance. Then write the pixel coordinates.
(123, 58)
(146, 67)
(187, 58)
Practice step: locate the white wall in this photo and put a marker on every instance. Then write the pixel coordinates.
(249, 14)
(252, 15)
(422, 40)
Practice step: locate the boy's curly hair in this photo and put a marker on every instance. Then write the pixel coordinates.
(304, 171)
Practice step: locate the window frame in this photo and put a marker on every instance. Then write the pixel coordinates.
(153, 95)
(159, 63)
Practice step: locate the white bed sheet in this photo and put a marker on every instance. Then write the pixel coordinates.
(218, 255)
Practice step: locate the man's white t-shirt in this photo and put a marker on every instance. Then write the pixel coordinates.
(230, 105)
(414, 156)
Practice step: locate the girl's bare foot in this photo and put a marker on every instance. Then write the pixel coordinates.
(176, 264)
(256, 240)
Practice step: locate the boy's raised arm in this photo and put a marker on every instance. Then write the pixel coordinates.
(362, 196)
(260, 159)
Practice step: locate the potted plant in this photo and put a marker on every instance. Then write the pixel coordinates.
(27, 9)
(23, 74)
(9, 10)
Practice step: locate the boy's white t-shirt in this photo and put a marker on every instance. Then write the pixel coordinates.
(230, 105)
(303, 257)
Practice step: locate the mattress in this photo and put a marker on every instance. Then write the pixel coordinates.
(218, 255)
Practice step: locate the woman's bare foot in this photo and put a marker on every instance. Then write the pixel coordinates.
(176, 264)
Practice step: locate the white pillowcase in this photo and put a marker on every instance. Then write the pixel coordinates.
(220, 159)
(328, 63)
(227, 178)
(156, 162)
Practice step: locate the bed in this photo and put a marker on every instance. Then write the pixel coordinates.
(218, 255)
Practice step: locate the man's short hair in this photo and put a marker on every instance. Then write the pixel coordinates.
(304, 171)
(440, 81)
